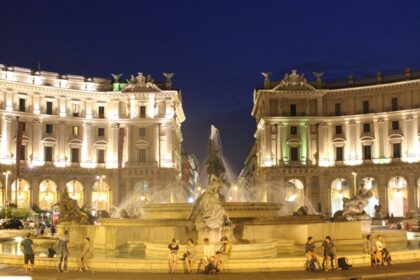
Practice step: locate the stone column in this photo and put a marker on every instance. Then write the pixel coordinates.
(37, 151)
(156, 141)
(128, 149)
(411, 191)
(169, 140)
(408, 141)
(279, 159)
(319, 106)
(87, 143)
(267, 148)
(114, 154)
(352, 140)
(383, 192)
(61, 145)
(323, 143)
(6, 139)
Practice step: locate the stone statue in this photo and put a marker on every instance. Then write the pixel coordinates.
(70, 211)
(141, 83)
(208, 212)
(354, 207)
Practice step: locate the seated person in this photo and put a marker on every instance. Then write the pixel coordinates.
(370, 249)
(310, 252)
(329, 253)
(382, 254)
(224, 253)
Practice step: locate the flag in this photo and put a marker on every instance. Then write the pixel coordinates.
(120, 149)
(19, 135)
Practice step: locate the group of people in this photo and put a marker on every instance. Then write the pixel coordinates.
(27, 248)
(329, 260)
(211, 262)
(379, 255)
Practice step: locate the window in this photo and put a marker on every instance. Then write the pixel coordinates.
(293, 109)
(396, 150)
(75, 131)
(339, 153)
(367, 152)
(22, 152)
(294, 154)
(49, 108)
(22, 105)
(338, 129)
(49, 128)
(142, 112)
(74, 155)
(48, 154)
(75, 109)
(101, 112)
(394, 104)
(101, 156)
(273, 107)
(142, 155)
(337, 109)
(293, 130)
(365, 107)
(395, 125)
(366, 127)
(142, 132)
(101, 132)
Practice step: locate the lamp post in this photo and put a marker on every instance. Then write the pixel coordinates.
(100, 178)
(6, 199)
(354, 183)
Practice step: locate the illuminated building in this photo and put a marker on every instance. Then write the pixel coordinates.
(74, 129)
(316, 141)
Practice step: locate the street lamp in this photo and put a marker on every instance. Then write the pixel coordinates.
(354, 182)
(100, 178)
(5, 199)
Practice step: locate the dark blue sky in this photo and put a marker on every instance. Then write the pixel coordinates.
(217, 49)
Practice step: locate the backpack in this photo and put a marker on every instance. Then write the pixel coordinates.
(343, 263)
(211, 269)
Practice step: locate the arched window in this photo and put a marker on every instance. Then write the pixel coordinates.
(295, 192)
(100, 196)
(47, 194)
(75, 190)
(369, 184)
(23, 193)
(339, 189)
(397, 196)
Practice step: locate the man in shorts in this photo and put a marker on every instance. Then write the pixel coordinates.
(26, 246)
(63, 247)
(329, 253)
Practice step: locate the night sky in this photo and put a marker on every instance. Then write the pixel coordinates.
(217, 49)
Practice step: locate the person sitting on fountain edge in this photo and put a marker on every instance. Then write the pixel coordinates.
(173, 255)
(223, 255)
(329, 253)
(310, 252)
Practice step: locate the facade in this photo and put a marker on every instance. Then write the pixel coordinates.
(317, 142)
(73, 131)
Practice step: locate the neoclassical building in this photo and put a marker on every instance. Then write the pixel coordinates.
(316, 142)
(75, 129)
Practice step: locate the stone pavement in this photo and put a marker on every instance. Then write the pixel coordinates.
(407, 271)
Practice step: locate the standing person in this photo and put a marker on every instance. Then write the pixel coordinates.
(329, 253)
(370, 249)
(189, 256)
(310, 252)
(173, 255)
(52, 230)
(63, 246)
(26, 246)
(86, 255)
(223, 255)
(208, 254)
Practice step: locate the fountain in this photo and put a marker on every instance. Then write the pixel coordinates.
(257, 229)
